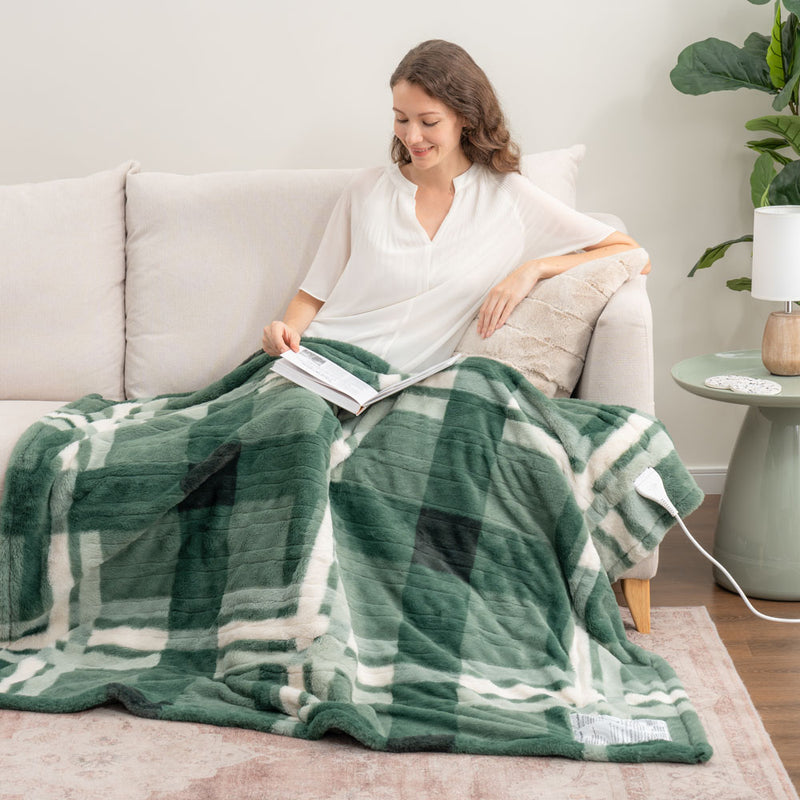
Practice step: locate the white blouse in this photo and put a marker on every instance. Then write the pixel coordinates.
(391, 289)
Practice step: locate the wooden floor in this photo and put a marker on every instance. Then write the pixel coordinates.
(766, 654)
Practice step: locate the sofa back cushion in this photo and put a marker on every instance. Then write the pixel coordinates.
(62, 279)
(212, 259)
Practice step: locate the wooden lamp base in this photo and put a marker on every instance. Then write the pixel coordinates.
(780, 347)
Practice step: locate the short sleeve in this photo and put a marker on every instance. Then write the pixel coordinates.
(333, 252)
(551, 227)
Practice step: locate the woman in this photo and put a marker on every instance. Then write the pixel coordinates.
(413, 250)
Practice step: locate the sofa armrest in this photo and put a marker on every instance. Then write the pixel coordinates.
(619, 370)
(619, 362)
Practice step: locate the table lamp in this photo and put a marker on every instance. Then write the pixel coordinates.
(776, 276)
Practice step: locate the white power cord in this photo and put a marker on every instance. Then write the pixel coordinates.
(650, 485)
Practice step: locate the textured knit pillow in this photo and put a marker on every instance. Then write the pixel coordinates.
(548, 333)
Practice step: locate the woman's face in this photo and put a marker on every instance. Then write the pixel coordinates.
(430, 130)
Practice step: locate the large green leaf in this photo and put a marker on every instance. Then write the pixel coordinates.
(785, 187)
(771, 147)
(775, 52)
(760, 179)
(759, 2)
(790, 49)
(789, 91)
(788, 36)
(740, 284)
(784, 125)
(714, 65)
(717, 252)
(757, 44)
(763, 145)
(791, 5)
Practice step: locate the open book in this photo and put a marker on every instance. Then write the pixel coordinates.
(320, 375)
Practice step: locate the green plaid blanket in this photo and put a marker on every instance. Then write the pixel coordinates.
(432, 575)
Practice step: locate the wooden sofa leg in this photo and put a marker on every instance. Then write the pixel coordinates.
(637, 596)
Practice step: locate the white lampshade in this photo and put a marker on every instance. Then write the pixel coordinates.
(776, 253)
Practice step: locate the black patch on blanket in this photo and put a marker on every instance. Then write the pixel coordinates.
(135, 701)
(212, 482)
(440, 743)
(201, 569)
(446, 542)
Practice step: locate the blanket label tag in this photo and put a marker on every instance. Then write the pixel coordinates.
(601, 729)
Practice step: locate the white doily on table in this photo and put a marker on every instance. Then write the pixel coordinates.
(743, 384)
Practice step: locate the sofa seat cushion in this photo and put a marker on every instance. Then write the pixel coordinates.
(15, 417)
(62, 283)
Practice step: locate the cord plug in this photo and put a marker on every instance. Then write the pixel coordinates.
(650, 485)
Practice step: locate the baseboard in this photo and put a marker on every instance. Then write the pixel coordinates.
(710, 479)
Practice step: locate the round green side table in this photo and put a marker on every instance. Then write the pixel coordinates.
(758, 531)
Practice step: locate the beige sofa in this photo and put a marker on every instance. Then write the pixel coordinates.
(128, 284)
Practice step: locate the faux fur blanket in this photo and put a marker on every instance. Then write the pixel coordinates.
(434, 574)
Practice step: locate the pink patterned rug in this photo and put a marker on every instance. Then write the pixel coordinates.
(107, 753)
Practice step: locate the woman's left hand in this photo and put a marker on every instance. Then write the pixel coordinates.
(506, 296)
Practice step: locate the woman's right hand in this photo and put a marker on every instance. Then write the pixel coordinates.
(279, 337)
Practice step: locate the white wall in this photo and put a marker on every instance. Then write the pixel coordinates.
(201, 85)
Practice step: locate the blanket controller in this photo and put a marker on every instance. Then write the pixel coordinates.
(650, 485)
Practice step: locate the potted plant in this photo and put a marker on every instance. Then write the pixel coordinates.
(766, 63)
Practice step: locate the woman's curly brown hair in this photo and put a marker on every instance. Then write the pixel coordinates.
(447, 72)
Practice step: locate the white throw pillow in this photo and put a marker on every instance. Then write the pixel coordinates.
(548, 333)
(62, 282)
(555, 171)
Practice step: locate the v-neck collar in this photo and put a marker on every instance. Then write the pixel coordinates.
(409, 188)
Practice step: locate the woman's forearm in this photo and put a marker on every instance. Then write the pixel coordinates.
(506, 295)
(616, 243)
(282, 335)
(301, 311)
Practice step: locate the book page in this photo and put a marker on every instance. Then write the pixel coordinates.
(324, 371)
(416, 378)
(334, 383)
(302, 378)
